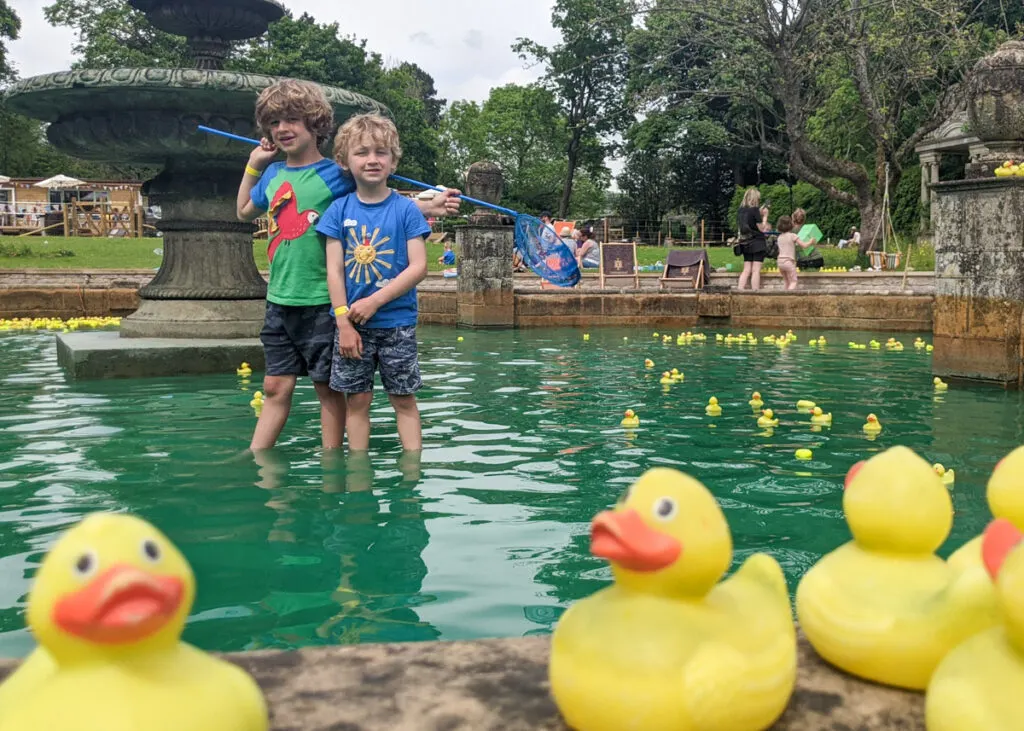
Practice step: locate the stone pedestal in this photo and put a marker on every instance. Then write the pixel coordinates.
(208, 285)
(979, 280)
(485, 290)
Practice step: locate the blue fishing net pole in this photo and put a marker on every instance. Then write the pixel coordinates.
(541, 248)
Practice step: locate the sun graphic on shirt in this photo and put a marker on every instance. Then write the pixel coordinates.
(363, 259)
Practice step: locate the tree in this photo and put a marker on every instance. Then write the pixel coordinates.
(586, 72)
(462, 140)
(112, 34)
(894, 70)
(10, 26)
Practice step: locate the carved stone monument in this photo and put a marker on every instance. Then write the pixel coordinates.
(208, 286)
(979, 236)
(485, 289)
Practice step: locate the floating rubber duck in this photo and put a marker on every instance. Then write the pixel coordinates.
(940, 385)
(666, 379)
(586, 336)
(919, 344)
(803, 454)
(947, 476)
(978, 684)
(108, 605)
(1005, 495)
(820, 418)
(929, 348)
(883, 606)
(656, 335)
(805, 405)
(244, 370)
(872, 425)
(767, 419)
(257, 402)
(630, 419)
(677, 377)
(713, 409)
(459, 339)
(669, 646)
(755, 401)
(875, 345)
(648, 363)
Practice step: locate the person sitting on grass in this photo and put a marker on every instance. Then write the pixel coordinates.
(448, 257)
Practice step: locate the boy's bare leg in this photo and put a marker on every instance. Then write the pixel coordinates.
(357, 421)
(332, 415)
(277, 403)
(407, 414)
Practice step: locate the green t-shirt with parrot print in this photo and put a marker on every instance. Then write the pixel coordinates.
(296, 198)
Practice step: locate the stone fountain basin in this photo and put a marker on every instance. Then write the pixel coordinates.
(150, 115)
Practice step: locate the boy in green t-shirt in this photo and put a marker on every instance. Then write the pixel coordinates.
(298, 330)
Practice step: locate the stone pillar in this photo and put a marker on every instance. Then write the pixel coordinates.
(979, 237)
(979, 280)
(929, 175)
(485, 290)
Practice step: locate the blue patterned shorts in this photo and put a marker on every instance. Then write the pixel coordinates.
(297, 340)
(392, 349)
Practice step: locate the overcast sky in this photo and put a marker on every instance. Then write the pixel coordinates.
(463, 44)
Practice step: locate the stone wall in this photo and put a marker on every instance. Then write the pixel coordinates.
(579, 308)
(979, 264)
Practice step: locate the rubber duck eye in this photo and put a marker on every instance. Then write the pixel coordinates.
(85, 564)
(665, 509)
(150, 550)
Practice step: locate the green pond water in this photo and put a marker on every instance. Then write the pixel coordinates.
(487, 534)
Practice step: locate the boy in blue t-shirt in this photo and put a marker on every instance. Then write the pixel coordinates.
(376, 255)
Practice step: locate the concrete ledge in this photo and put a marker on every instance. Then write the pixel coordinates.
(501, 685)
(94, 355)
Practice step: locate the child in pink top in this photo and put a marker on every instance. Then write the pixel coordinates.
(787, 242)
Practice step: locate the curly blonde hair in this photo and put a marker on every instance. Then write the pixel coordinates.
(380, 129)
(292, 97)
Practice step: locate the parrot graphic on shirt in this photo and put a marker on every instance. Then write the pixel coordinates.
(287, 222)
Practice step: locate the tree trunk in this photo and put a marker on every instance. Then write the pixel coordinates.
(870, 228)
(574, 156)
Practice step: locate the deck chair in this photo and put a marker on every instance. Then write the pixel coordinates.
(618, 261)
(685, 270)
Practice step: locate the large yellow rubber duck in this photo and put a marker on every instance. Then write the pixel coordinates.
(668, 647)
(713, 409)
(883, 606)
(108, 606)
(978, 685)
(1005, 495)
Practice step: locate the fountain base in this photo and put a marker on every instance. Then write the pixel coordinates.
(198, 319)
(101, 355)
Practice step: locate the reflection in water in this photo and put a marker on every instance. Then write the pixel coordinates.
(486, 531)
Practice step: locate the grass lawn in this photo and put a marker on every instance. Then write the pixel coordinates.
(57, 252)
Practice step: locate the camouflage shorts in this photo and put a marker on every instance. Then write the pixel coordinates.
(392, 349)
(297, 340)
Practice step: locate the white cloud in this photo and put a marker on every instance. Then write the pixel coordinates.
(464, 44)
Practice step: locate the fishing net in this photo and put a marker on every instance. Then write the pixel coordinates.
(544, 252)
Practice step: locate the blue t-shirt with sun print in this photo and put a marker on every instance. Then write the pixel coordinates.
(375, 239)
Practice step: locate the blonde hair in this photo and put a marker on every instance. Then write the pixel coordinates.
(380, 129)
(291, 97)
(799, 217)
(751, 198)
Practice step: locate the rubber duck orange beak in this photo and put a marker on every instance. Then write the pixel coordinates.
(852, 473)
(123, 604)
(624, 538)
(999, 539)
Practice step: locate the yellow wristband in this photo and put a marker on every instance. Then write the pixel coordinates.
(250, 170)
(340, 310)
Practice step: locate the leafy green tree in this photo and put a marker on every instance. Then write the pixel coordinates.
(111, 34)
(462, 140)
(587, 73)
(10, 26)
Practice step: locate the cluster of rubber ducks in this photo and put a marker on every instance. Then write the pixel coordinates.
(686, 338)
(1009, 169)
(24, 324)
(244, 372)
(674, 644)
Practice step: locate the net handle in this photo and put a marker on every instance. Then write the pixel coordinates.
(475, 201)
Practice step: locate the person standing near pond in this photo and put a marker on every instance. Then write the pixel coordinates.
(752, 223)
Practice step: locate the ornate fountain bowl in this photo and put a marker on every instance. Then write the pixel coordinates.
(229, 20)
(150, 116)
